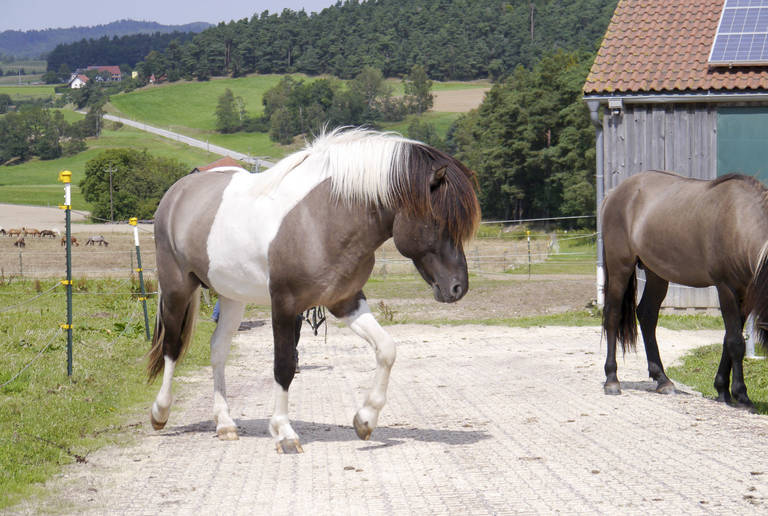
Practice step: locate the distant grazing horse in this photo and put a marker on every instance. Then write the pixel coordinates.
(20, 242)
(96, 239)
(692, 232)
(14, 232)
(31, 232)
(2, 231)
(73, 239)
(303, 234)
(47, 233)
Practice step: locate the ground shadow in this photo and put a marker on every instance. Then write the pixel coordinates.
(649, 386)
(315, 432)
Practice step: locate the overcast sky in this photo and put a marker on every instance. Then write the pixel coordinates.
(52, 14)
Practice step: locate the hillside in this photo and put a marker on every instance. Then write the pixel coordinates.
(35, 43)
(451, 39)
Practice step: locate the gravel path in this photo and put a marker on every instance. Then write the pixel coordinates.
(480, 420)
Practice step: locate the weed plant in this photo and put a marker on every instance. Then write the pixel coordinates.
(48, 419)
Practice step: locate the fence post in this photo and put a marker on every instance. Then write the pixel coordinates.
(21, 267)
(133, 222)
(65, 176)
(528, 235)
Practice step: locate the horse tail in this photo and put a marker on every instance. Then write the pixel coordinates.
(626, 333)
(756, 301)
(160, 347)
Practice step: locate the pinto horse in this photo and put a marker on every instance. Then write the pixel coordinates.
(304, 234)
(692, 232)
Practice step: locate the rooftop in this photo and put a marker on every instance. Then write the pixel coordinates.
(663, 46)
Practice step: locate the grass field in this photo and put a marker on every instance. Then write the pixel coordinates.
(26, 92)
(699, 367)
(48, 419)
(36, 181)
(184, 107)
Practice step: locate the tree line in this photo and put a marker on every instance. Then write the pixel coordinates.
(451, 39)
(532, 143)
(294, 106)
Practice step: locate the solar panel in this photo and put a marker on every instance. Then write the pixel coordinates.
(742, 35)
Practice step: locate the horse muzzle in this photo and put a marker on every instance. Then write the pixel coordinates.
(455, 290)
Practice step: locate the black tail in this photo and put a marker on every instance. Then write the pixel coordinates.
(756, 301)
(158, 350)
(626, 333)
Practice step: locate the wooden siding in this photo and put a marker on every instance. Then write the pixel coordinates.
(681, 138)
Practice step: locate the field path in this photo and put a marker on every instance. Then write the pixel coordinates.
(480, 420)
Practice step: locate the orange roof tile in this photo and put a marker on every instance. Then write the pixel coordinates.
(223, 162)
(654, 46)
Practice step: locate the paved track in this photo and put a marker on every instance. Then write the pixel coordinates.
(480, 420)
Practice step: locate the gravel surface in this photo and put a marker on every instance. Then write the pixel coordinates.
(480, 420)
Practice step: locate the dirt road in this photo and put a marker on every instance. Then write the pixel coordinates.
(480, 420)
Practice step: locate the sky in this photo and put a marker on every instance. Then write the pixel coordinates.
(52, 14)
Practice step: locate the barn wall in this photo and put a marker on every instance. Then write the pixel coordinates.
(681, 138)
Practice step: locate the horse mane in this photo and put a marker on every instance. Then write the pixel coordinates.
(386, 169)
(752, 181)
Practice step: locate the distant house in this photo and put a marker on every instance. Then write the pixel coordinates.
(675, 98)
(77, 81)
(223, 162)
(114, 71)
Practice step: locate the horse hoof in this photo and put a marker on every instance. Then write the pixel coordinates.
(157, 425)
(289, 447)
(361, 427)
(666, 388)
(612, 389)
(227, 434)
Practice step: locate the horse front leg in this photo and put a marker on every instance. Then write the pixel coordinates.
(230, 315)
(733, 351)
(284, 330)
(361, 321)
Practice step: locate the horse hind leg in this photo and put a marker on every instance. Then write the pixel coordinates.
(284, 329)
(175, 320)
(618, 318)
(230, 315)
(648, 315)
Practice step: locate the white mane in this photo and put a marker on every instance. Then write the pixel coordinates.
(364, 166)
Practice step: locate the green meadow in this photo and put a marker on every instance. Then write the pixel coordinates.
(36, 181)
(184, 107)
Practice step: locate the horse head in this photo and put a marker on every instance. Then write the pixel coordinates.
(432, 234)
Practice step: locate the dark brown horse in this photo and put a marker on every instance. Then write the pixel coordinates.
(303, 234)
(692, 232)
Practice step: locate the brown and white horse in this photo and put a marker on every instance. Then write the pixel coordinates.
(303, 234)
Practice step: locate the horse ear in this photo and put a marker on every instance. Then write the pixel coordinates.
(438, 176)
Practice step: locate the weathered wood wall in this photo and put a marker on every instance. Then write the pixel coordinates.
(681, 138)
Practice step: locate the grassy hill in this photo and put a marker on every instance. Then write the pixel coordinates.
(184, 107)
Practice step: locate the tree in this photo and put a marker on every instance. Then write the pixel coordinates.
(138, 182)
(5, 101)
(418, 90)
(228, 116)
(531, 142)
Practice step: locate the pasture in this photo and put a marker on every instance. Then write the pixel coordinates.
(36, 181)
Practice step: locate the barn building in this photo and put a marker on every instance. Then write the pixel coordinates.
(681, 85)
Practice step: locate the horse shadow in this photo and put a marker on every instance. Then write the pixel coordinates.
(649, 386)
(309, 432)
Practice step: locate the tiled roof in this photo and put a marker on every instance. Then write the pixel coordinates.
(114, 70)
(223, 162)
(654, 46)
